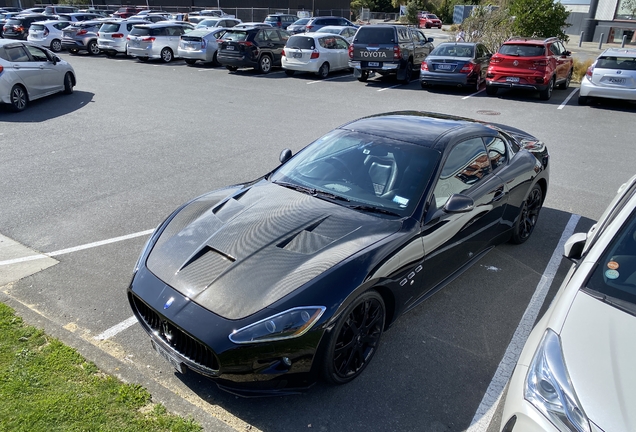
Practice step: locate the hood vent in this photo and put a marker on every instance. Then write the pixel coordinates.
(307, 241)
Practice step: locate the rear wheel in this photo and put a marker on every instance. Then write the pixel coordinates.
(19, 98)
(528, 216)
(190, 61)
(264, 64)
(215, 61)
(56, 45)
(323, 72)
(93, 49)
(407, 73)
(231, 68)
(490, 90)
(166, 55)
(289, 72)
(68, 83)
(547, 93)
(364, 76)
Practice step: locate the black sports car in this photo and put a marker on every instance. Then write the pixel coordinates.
(267, 286)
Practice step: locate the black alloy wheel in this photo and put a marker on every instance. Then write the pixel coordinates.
(354, 339)
(215, 60)
(528, 216)
(19, 98)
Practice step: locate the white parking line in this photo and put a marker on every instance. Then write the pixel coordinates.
(326, 79)
(567, 99)
(116, 329)
(489, 403)
(75, 249)
(471, 95)
(392, 87)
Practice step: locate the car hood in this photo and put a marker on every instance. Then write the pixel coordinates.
(599, 347)
(237, 251)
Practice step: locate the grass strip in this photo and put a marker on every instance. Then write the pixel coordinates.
(48, 386)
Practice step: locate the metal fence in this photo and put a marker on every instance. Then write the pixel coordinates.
(259, 14)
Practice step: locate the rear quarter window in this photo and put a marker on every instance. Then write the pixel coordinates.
(140, 31)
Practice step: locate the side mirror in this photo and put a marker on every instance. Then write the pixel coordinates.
(459, 203)
(573, 248)
(567, 53)
(285, 155)
(430, 40)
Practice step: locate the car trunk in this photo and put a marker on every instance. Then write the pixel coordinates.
(615, 72)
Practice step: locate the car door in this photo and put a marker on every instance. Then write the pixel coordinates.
(557, 51)
(276, 43)
(452, 239)
(483, 58)
(342, 53)
(28, 71)
(51, 77)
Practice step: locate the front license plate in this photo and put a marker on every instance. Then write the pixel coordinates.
(230, 47)
(374, 64)
(512, 79)
(617, 80)
(298, 55)
(166, 355)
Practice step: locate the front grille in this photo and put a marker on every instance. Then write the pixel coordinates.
(177, 339)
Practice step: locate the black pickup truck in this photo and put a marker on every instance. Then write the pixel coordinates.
(388, 49)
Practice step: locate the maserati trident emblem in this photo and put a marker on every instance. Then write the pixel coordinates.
(169, 303)
(165, 330)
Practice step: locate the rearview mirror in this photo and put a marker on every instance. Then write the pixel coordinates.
(285, 155)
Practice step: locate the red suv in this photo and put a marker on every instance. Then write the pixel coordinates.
(126, 12)
(530, 64)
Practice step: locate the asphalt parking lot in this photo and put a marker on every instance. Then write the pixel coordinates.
(85, 177)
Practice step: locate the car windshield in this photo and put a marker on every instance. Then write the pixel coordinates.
(375, 35)
(622, 63)
(301, 42)
(431, 16)
(271, 19)
(208, 23)
(362, 171)
(522, 50)
(453, 50)
(614, 278)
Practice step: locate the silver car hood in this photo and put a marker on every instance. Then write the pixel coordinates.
(599, 347)
(237, 251)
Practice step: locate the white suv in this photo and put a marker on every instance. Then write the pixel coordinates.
(157, 41)
(111, 38)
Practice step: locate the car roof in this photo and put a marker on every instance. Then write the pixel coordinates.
(48, 21)
(619, 52)
(530, 41)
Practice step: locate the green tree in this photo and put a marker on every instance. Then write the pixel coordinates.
(357, 4)
(539, 18)
(412, 8)
(491, 26)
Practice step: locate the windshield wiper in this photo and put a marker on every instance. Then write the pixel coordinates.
(623, 305)
(296, 187)
(325, 194)
(372, 209)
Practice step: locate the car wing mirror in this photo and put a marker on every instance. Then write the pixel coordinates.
(567, 53)
(285, 155)
(573, 248)
(459, 203)
(430, 40)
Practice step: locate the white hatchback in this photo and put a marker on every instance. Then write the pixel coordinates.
(576, 371)
(612, 76)
(47, 34)
(319, 53)
(160, 40)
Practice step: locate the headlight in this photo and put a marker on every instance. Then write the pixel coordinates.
(285, 325)
(548, 387)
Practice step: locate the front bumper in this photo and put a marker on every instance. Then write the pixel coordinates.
(589, 89)
(193, 337)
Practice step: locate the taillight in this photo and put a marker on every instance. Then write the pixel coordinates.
(148, 39)
(396, 52)
(203, 43)
(308, 28)
(81, 32)
(246, 43)
(46, 32)
(351, 51)
(283, 52)
(117, 35)
(495, 59)
(468, 68)
(1, 68)
(424, 66)
(589, 72)
(315, 54)
(19, 28)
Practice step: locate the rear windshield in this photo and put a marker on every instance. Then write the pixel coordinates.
(13, 21)
(49, 10)
(522, 50)
(623, 63)
(453, 50)
(271, 19)
(235, 35)
(375, 36)
(109, 28)
(301, 21)
(302, 42)
(36, 27)
(140, 31)
(208, 22)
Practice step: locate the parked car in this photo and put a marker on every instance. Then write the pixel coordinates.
(150, 18)
(281, 21)
(530, 64)
(245, 25)
(47, 34)
(29, 72)
(346, 32)
(315, 52)
(458, 64)
(575, 370)
(126, 12)
(4, 16)
(200, 45)
(17, 27)
(298, 26)
(316, 23)
(269, 285)
(218, 22)
(214, 13)
(102, 13)
(388, 49)
(429, 20)
(59, 9)
(112, 35)
(37, 10)
(79, 16)
(612, 76)
(81, 36)
(257, 47)
(157, 41)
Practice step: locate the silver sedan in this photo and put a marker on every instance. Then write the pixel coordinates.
(29, 72)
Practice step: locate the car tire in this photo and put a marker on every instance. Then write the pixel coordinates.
(364, 76)
(73, 50)
(490, 90)
(215, 60)
(408, 73)
(143, 59)
(323, 72)
(564, 85)
(583, 100)
(19, 98)
(111, 54)
(264, 64)
(190, 61)
(68, 83)
(56, 45)
(92, 48)
(231, 68)
(528, 216)
(547, 93)
(477, 85)
(354, 339)
(166, 55)
(289, 72)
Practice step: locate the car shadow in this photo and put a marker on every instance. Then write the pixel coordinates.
(341, 75)
(47, 108)
(558, 96)
(435, 364)
(612, 104)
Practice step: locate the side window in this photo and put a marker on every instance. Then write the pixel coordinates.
(465, 166)
(555, 49)
(561, 47)
(273, 35)
(17, 54)
(37, 54)
(260, 36)
(496, 151)
(342, 44)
